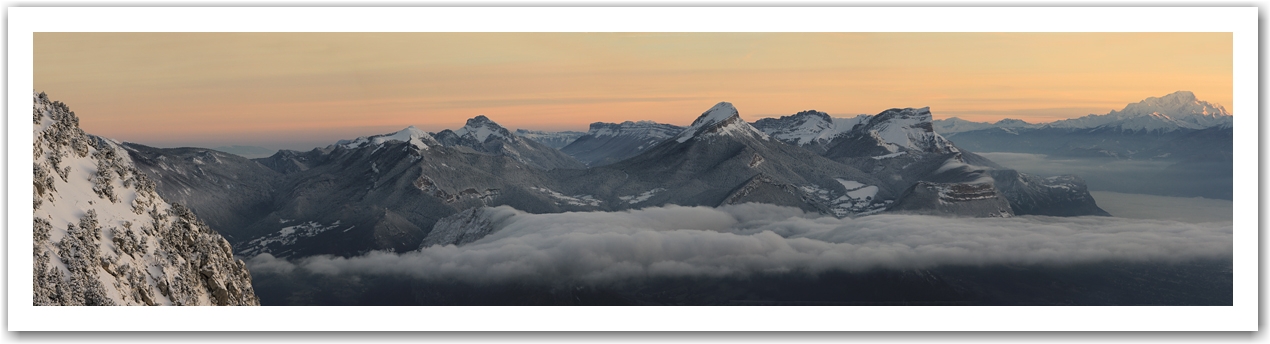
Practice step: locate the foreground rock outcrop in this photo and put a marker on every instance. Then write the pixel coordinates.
(104, 237)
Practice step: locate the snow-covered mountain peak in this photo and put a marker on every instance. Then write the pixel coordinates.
(482, 128)
(410, 134)
(719, 113)
(908, 128)
(1174, 111)
(1177, 105)
(722, 119)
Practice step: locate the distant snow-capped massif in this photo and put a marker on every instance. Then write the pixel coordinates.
(1177, 111)
(409, 189)
(1156, 128)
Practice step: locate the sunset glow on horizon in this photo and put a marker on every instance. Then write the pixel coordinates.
(302, 90)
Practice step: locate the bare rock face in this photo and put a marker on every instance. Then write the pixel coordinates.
(103, 237)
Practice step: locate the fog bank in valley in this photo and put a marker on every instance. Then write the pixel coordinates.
(748, 239)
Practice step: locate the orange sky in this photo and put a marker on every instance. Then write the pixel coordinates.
(301, 90)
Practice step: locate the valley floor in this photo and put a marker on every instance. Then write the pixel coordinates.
(1200, 282)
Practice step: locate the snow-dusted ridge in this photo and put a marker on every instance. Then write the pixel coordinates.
(648, 129)
(412, 135)
(808, 127)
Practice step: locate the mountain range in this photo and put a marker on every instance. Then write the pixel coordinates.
(1176, 111)
(389, 191)
(1154, 128)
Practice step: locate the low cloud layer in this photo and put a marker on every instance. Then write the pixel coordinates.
(742, 240)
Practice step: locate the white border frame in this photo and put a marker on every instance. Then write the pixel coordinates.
(1242, 21)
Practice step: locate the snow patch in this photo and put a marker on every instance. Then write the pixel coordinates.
(887, 156)
(850, 184)
(859, 200)
(578, 200)
(863, 193)
(641, 197)
(287, 236)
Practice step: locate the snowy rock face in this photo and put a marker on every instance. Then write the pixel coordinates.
(807, 127)
(889, 133)
(103, 236)
(907, 129)
(481, 128)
